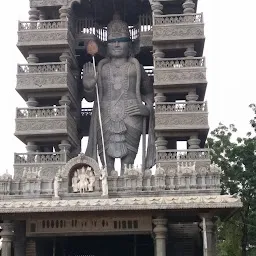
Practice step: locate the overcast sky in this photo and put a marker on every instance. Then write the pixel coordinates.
(230, 52)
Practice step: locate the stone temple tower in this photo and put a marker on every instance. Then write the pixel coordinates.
(60, 201)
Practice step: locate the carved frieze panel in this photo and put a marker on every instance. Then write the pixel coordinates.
(42, 81)
(42, 3)
(173, 121)
(89, 225)
(180, 76)
(47, 170)
(178, 32)
(43, 37)
(41, 126)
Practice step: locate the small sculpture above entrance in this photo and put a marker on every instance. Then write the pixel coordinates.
(83, 180)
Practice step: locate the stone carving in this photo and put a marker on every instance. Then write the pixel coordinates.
(160, 177)
(178, 76)
(39, 38)
(6, 176)
(174, 33)
(180, 63)
(28, 81)
(83, 180)
(178, 19)
(173, 107)
(56, 184)
(183, 121)
(41, 68)
(122, 108)
(104, 182)
(31, 173)
(135, 203)
(42, 3)
(84, 160)
(38, 124)
(75, 182)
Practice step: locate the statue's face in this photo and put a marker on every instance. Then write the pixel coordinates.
(118, 49)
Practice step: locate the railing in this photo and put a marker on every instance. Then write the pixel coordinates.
(85, 26)
(180, 62)
(149, 70)
(177, 155)
(88, 26)
(178, 19)
(86, 112)
(173, 107)
(45, 112)
(42, 67)
(42, 24)
(145, 22)
(38, 157)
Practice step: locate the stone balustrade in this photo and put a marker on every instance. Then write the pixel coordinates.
(42, 77)
(50, 121)
(42, 24)
(178, 19)
(177, 171)
(180, 71)
(170, 155)
(172, 116)
(46, 112)
(45, 33)
(182, 27)
(189, 62)
(42, 68)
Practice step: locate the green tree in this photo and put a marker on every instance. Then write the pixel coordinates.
(237, 158)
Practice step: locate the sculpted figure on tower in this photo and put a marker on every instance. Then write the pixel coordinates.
(126, 98)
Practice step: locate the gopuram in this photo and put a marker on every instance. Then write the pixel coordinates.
(140, 64)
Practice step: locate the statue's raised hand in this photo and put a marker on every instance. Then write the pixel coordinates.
(137, 110)
(89, 78)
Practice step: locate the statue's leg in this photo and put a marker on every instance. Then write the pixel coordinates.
(128, 159)
(110, 162)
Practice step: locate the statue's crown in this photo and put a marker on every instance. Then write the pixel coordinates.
(118, 28)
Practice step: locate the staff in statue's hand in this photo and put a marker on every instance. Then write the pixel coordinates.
(90, 74)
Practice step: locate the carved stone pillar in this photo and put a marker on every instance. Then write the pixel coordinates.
(160, 97)
(65, 101)
(210, 234)
(31, 147)
(33, 14)
(192, 96)
(160, 233)
(158, 54)
(32, 102)
(7, 235)
(188, 6)
(41, 15)
(65, 146)
(161, 143)
(190, 51)
(20, 238)
(157, 8)
(32, 58)
(65, 57)
(64, 12)
(194, 142)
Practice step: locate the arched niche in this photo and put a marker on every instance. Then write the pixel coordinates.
(76, 164)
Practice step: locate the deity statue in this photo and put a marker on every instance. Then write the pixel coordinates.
(91, 180)
(56, 184)
(83, 181)
(126, 98)
(75, 182)
(104, 182)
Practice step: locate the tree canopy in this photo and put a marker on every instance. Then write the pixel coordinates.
(236, 156)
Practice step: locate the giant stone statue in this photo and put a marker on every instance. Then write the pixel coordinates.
(126, 98)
